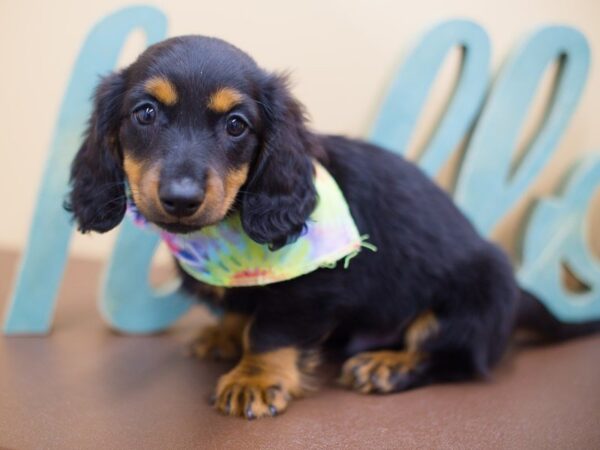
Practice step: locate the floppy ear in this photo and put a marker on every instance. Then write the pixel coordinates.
(97, 199)
(280, 192)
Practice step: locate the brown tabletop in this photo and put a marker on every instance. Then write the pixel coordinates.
(84, 386)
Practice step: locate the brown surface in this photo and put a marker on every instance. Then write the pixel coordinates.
(86, 387)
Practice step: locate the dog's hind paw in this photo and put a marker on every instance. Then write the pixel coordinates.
(380, 372)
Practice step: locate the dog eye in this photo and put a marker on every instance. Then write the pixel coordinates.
(236, 125)
(145, 114)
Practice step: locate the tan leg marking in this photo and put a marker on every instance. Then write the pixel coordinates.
(384, 371)
(422, 328)
(222, 341)
(261, 384)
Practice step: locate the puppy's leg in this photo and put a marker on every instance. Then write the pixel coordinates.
(465, 337)
(263, 383)
(222, 341)
(278, 360)
(387, 370)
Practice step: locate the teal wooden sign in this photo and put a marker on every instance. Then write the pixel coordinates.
(126, 301)
(488, 186)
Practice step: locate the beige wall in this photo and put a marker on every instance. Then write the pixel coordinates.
(341, 54)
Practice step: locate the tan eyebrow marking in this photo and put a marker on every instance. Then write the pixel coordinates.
(224, 99)
(162, 89)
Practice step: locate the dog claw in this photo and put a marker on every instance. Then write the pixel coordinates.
(228, 404)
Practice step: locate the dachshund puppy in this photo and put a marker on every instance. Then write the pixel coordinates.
(199, 132)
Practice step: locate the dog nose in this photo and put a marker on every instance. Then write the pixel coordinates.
(181, 198)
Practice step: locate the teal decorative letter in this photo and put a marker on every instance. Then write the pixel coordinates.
(407, 95)
(486, 190)
(42, 267)
(488, 187)
(556, 235)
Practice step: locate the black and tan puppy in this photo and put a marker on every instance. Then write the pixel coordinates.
(199, 131)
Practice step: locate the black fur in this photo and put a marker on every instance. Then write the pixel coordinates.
(429, 257)
(97, 199)
(283, 194)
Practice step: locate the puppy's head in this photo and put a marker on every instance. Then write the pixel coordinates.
(196, 129)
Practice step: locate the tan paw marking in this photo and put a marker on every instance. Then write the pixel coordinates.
(222, 341)
(213, 343)
(260, 385)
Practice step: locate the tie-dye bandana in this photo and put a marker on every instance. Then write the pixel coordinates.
(224, 255)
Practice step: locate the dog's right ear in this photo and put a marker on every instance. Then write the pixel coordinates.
(97, 198)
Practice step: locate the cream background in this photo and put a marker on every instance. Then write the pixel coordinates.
(341, 55)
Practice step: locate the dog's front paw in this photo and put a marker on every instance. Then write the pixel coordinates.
(260, 385)
(251, 397)
(380, 372)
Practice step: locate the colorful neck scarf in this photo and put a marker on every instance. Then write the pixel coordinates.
(224, 255)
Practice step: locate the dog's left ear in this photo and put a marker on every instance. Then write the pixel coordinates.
(280, 194)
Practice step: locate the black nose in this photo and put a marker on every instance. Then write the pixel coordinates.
(182, 197)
